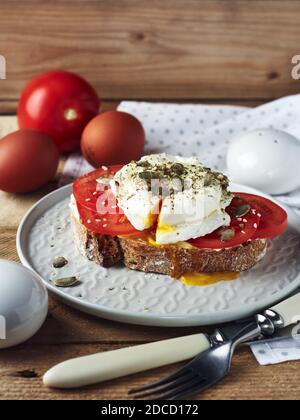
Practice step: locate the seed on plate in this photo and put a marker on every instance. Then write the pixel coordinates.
(59, 262)
(242, 210)
(66, 281)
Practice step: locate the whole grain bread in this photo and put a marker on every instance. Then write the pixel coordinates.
(138, 254)
(175, 261)
(103, 249)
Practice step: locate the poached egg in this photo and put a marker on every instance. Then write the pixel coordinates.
(178, 196)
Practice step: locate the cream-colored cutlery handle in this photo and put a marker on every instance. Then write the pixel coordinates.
(289, 310)
(100, 367)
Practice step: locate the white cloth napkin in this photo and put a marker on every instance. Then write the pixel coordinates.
(206, 131)
(277, 350)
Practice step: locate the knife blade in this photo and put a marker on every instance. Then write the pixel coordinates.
(113, 364)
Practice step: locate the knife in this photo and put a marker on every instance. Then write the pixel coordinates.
(113, 364)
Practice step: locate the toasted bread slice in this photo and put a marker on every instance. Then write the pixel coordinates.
(103, 249)
(173, 260)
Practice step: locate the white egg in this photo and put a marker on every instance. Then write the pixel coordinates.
(266, 159)
(23, 303)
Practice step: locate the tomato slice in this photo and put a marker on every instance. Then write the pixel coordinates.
(97, 206)
(274, 219)
(245, 220)
(87, 189)
(106, 224)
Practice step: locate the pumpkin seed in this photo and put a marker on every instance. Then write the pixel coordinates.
(59, 262)
(242, 210)
(178, 168)
(67, 281)
(227, 234)
(148, 175)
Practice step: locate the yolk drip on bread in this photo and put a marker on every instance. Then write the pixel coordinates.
(181, 244)
(191, 279)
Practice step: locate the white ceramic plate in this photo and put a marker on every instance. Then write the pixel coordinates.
(150, 299)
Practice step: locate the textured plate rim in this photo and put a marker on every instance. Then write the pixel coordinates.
(137, 318)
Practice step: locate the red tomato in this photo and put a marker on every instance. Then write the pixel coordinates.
(60, 104)
(98, 207)
(112, 138)
(274, 220)
(241, 228)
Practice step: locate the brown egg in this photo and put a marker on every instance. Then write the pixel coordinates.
(112, 138)
(28, 160)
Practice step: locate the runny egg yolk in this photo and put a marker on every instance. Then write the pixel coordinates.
(163, 228)
(205, 279)
(181, 244)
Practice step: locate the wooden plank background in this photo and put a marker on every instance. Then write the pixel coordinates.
(187, 49)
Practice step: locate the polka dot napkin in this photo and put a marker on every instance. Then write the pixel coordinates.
(206, 131)
(283, 348)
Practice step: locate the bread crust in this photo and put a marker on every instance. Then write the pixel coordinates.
(138, 254)
(105, 250)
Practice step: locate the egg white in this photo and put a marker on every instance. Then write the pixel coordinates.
(187, 214)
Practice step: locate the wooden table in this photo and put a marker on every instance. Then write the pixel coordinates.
(174, 50)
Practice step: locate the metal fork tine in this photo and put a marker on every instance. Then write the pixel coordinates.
(189, 391)
(166, 387)
(203, 371)
(177, 390)
(170, 378)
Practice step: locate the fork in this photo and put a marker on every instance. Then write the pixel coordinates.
(214, 364)
(201, 373)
